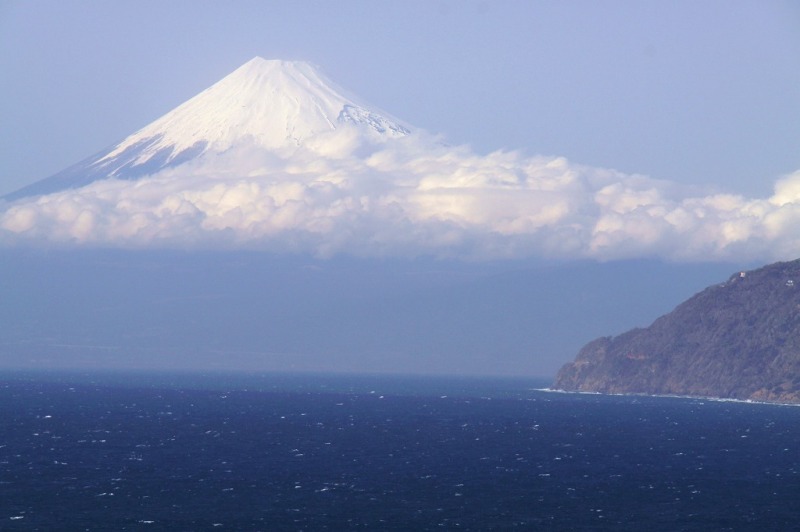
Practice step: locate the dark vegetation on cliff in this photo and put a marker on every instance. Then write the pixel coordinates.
(739, 339)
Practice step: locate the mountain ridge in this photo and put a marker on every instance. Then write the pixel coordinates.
(739, 340)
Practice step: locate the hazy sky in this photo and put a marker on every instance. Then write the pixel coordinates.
(689, 94)
(704, 93)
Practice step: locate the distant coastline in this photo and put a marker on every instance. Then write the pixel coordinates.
(735, 340)
(670, 396)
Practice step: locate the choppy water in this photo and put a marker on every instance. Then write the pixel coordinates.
(151, 452)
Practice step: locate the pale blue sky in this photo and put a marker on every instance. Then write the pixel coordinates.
(701, 93)
(706, 93)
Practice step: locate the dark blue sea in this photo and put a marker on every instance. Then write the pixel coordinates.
(137, 451)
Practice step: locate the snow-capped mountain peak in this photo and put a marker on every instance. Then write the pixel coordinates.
(272, 104)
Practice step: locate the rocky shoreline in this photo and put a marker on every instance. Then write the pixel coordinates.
(736, 340)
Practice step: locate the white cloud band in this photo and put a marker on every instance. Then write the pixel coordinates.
(410, 196)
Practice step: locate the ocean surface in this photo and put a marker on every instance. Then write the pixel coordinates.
(140, 451)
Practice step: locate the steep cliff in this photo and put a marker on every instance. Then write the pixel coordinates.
(739, 339)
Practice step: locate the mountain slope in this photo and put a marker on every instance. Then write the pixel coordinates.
(739, 339)
(273, 105)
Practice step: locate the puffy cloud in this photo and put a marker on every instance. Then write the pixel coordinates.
(410, 196)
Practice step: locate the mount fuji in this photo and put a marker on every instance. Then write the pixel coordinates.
(270, 104)
(276, 157)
